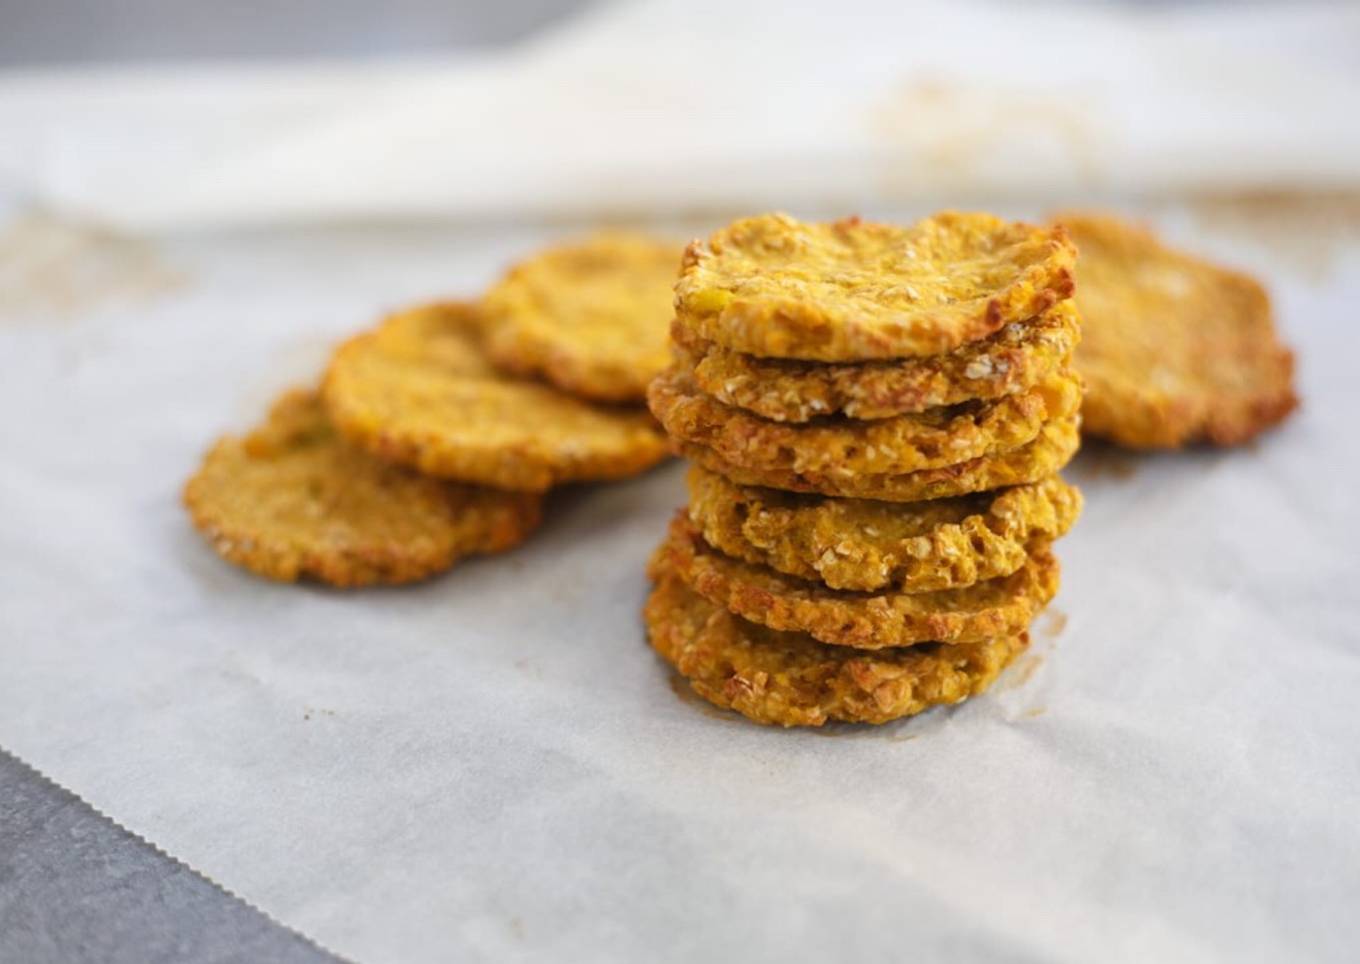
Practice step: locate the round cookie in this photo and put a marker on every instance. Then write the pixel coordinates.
(866, 546)
(790, 679)
(591, 317)
(853, 290)
(1175, 350)
(419, 391)
(1054, 447)
(291, 500)
(997, 607)
(1016, 358)
(904, 443)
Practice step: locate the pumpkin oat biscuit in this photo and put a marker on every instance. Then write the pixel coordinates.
(419, 391)
(790, 679)
(1054, 447)
(592, 317)
(1175, 350)
(853, 290)
(905, 443)
(982, 611)
(1015, 359)
(865, 545)
(291, 500)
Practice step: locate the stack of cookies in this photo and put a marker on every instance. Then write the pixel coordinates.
(434, 435)
(875, 417)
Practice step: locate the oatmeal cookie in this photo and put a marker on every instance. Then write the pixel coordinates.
(590, 317)
(1175, 350)
(904, 443)
(1048, 453)
(291, 500)
(419, 391)
(1014, 360)
(866, 546)
(853, 290)
(790, 679)
(997, 607)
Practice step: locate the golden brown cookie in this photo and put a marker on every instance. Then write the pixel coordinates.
(419, 391)
(291, 500)
(997, 607)
(865, 545)
(1015, 359)
(854, 291)
(592, 317)
(1054, 447)
(904, 443)
(1175, 350)
(790, 679)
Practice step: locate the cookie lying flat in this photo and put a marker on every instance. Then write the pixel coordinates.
(291, 500)
(592, 317)
(790, 679)
(1016, 358)
(419, 391)
(1175, 350)
(904, 443)
(853, 291)
(998, 607)
(865, 545)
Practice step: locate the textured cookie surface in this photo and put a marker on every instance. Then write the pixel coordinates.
(1016, 358)
(1054, 447)
(1175, 350)
(997, 607)
(790, 679)
(904, 443)
(292, 500)
(591, 317)
(865, 545)
(853, 290)
(419, 391)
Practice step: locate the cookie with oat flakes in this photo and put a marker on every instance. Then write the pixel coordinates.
(854, 290)
(419, 391)
(997, 607)
(905, 443)
(590, 317)
(1175, 350)
(291, 500)
(790, 679)
(1015, 359)
(866, 545)
(1054, 447)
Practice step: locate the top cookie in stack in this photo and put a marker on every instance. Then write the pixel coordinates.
(888, 379)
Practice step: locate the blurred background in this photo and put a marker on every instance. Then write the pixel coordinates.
(39, 32)
(132, 31)
(163, 116)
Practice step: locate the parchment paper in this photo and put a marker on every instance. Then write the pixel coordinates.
(494, 765)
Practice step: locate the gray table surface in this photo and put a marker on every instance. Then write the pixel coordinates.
(76, 887)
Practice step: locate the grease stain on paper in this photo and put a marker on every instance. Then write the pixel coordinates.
(1052, 623)
(52, 267)
(1023, 670)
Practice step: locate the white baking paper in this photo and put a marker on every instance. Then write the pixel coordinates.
(494, 766)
